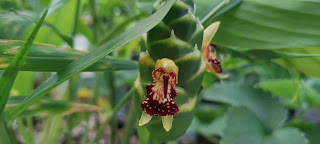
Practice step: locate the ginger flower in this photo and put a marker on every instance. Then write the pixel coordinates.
(161, 93)
(212, 63)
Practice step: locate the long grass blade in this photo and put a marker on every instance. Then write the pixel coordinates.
(49, 58)
(7, 79)
(93, 57)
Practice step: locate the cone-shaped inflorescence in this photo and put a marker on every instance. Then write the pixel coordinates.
(177, 38)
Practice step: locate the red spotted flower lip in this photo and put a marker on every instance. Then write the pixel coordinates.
(161, 93)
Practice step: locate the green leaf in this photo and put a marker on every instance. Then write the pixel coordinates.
(311, 130)
(230, 5)
(56, 5)
(268, 109)
(285, 88)
(7, 79)
(4, 137)
(278, 87)
(85, 30)
(286, 136)
(146, 6)
(48, 107)
(91, 58)
(304, 64)
(60, 22)
(243, 127)
(207, 112)
(214, 128)
(49, 58)
(269, 24)
(118, 29)
(143, 134)
(212, 12)
(23, 85)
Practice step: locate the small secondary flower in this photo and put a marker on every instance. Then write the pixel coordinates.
(212, 63)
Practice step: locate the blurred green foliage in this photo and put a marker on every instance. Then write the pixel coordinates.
(270, 49)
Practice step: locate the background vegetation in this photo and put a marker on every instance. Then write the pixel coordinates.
(67, 73)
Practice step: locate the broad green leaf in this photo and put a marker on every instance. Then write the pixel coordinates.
(230, 4)
(269, 24)
(278, 87)
(7, 79)
(268, 109)
(285, 88)
(144, 135)
(219, 9)
(307, 65)
(49, 58)
(203, 7)
(286, 136)
(311, 130)
(243, 127)
(208, 112)
(91, 58)
(214, 128)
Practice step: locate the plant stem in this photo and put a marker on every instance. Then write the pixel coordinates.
(213, 11)
(11, 133)
(118, 29)
(112, 114)
(93, 13)
(4, 137)
(129, 125)
(27, 135)
(85, 134)
(30, 129)
(109, 78)
(76, 19)
(54, 129)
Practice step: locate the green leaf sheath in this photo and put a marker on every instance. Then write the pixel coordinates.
(177, 37)
(7, 79)
(91, 58)
(50, 58)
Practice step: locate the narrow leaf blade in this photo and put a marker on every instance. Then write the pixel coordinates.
(91, 58)
(49, 58)
(7, 79)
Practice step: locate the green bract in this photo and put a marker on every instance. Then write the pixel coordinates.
(178, 38)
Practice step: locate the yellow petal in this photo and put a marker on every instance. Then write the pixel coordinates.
(168, 64)
(208, 33)
(210, 69)
(145, 118)
(167, 122)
